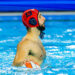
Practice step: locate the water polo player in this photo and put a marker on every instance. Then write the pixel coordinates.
(30, 50)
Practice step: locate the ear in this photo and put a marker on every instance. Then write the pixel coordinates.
(32, 21)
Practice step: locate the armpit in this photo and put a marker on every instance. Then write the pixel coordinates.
(31, 53)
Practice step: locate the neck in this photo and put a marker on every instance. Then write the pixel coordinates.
(33, 34)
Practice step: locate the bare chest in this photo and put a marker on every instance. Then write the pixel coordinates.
(37, 50)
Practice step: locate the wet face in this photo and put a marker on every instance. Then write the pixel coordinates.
(41, 26)
(41, 20)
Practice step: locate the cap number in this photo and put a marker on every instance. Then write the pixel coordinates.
(28, 14)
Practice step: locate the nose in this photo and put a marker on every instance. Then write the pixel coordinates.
(44, 18)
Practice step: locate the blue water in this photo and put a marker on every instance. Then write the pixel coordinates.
(59, 43)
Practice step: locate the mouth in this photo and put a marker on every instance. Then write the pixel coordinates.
(43, 25)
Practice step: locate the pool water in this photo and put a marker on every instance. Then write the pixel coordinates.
(59, 43)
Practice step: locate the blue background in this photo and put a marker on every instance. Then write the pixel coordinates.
(59, 43)
(42, 5)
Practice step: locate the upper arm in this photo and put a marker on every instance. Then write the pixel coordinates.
(21, 54)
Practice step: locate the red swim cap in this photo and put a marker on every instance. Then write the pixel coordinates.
(30, 18)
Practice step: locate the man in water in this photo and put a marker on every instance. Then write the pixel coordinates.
(30, 48)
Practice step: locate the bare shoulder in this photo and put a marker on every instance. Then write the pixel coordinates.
(25, 44)
(22, 52)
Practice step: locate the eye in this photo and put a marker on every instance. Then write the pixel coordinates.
(39, 16)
